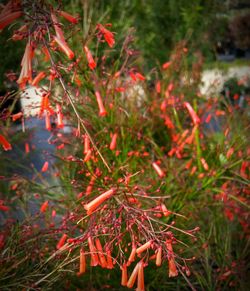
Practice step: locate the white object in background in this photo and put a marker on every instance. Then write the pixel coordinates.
(31, 100)
(213, 80)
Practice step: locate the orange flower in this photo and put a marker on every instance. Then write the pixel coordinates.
(5, 144)
(165, 211)
(124, 275)
(168, 122)
(45, 105)
(102, 258)
(109, 36)
(158, 87)
(229, 153)
(204, 164)
(208, 118)
(26, 64)
(166, 65)
(82, 267)
(158, 257)
(64, 46)
(140, 76)
(140, 279)
(45, 167)
(109, 259)
(61, 241)
(91, 206)
(194, 116)
(59, 38)
(38, 78)
(68, 17)
(16, 116)
(102, 110)
(9, 18)
(158, 170)
(46, 53)
(47, 121)
(133, 276)
(144, 247)
(27, 148)
(90, 186)
(113, 142)
(93, 253)
(19, 34)
(86, 144)
(132, 255)
(57, 27)
(173, 272)
(44, 206)
(90, 59)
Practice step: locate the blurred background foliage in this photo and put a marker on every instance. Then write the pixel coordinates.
(158, 26)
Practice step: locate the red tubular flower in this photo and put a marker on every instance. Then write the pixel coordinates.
(158, 170)
(57, 27)
(46, 53)
(166, 65)
(44, 206)
(113, 142)
(93, 253)
(109, 259)
(20, 33)
(16, 116)
(45, 167)
(144, 247)
(86, 144)
(5, 144)
(229, 153)
(165, 211)
(27, 148)
(204, 164)
(124, 275)
(140, 76)
(90, 59)
(158, 87)
(133, 277)
(91, 206)
(132, 255)
(59, 38)
(61, 241)
(168, 122)
(9, 18)
(132, 76)
(64, 46)
(102, 110)
(194, 116)
(158, 257)
(26, 64)
(102, 258)
(90, 186)
(82, 267)
(173, 272)
(140, 279)
(108, 35)
(87, 156)
(68, 17)
(47, 121)
(38, 78)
